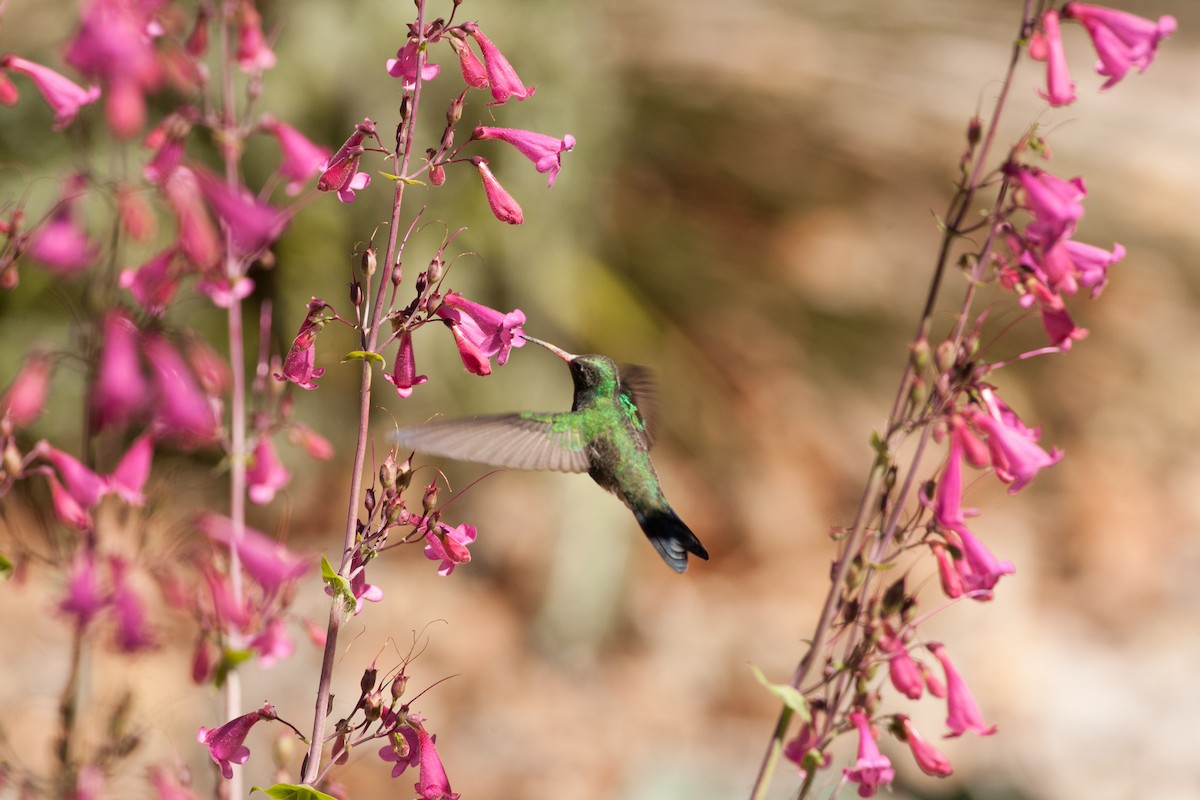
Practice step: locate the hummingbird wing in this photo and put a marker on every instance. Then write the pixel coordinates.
(517, 441)
(637, 383)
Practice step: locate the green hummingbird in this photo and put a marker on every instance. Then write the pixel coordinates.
(607, 433)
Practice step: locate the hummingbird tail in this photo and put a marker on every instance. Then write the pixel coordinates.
(671, 537)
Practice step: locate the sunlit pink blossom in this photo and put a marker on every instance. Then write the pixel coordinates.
(266, 474)
(491, 332)
(85, 597)
(299, 364)
(473, 72)
(197, 237)
(119, 390)
(964, 714)
(25, 397)
(432, 784)
(871, 769)
(132, 471)
(502, 78)
(948, 574)
(225, 743)
(1046, 45)
(404, 374)
(450, 547)
(1070, 264)
(1122, 40)
(67, 508)
(133, 631)
(154, 283)
(902, 670)
(253, 52)
(253, 225)
(406, 63)
(301, 158)
(64, 96)
(267, 561)
(83, 484)
(61, 242)
(504, 206)
(980, 570)
(181, 409)
(403, 750)
(926, 755)
(273, 644)
(1056, 204)
(1016, 456)
(544, 151)
(340, 172)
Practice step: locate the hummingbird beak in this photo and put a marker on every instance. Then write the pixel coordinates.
(558, 351)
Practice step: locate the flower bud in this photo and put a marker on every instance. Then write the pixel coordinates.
(367, 682)
(397, 274)
(437, 269)
(388, 472)
(429, 500)
(356, 294)
(944, 357)
(399, 684)
(373, 706)
(437, 174)
(368, 261)
(369, 500)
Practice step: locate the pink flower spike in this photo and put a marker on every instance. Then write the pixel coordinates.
(902, 670)
(403, 750)
(1046, 45)
(133, 632)
(268, 562)
(63, 95)
(266, 475)
(501, 76)
(301, 158)
(493, 333)
(153, 284)
(128, 479)
(120, 390)
(340, 170)
(225, 743)
(84, 597)
(23, 401)
(433, 783)
(181, 410)
(1016, 456)
(450, 547)
(1122, 40)
(504, 207)
(1081, 264)
(407, 62)
(544, 151)
(926, 755)
(964, 714)
(404, 374)
(1055, 203)
(872, 769)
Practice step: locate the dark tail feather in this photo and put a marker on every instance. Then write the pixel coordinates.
(671, 538)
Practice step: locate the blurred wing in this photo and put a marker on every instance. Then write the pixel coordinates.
(518, 441)
(638, 382)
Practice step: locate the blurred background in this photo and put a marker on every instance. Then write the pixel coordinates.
(749, 211)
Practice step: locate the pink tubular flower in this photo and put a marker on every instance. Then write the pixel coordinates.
(23, 401)
(64, 96)
(1056, 204)
(267, 561)
(502, 78)
(225, 743)
(181, 410)
(1122, 40)
(493, 333)
(133, 632)
(253, 53)
(61, 242)
(316, 445)
(504, 207)
(872, 769)
(273, 644)
(980, 570)
(198, 238)
(358, 584)
(947, 499)
(948, 574)
(544, 151)
(67, 508)
(168, 786)
(403, 750)
(404, 374)
(84, 597)
(473, 72)
(407, 62)
(299, 364)
(902, 670)
(926, 755)
(340, 172)
(433, 783)
(154, 283)
(301, 158)
(266, 475)
(82, 483)
(472, 357)
(964, 714)
(450, 547)
(132, 471)
(1046, 45)
(1070, 264)
(119, 390)
(114, 46)
(9, 95)
(253, 226)
(1016, 456)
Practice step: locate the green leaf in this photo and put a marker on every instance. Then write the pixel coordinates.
(6, 566)
(363, 355)
(292, 791)
(340, 587)
(790, 695)
(230, 659)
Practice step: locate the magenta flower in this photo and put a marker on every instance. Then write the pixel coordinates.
(872, 769)
(25, 397)
(964, 714)
(432, 784)
(490, 332)
(449, 547)
(404, 374)
(197, 238)
(67, 508)
(926, 755)
(502, 78)
(1070, 264)
(299, 364)
(82, 483)
(504, 207)
(1046, 45)
(268, 562)
(1122, 40)
(64, 96)
(947, 499)
(229, 609)
(1016, 456)
(301, 158)
(61, 242)
(340, 172)
(358, 583)
(154, 283)
(1060, 328)
(181, 410)
(167, 140)
(133, 632)
(9, 95)
(253, 226)
(253, 53)
(948, 574)
(266, 474)
(225, 743)
(902, 670)
(544, 151)
(84, 597)
(273, 644)
(473, 72)
(980, 570)
(135, 214)
(119, 390)
(130, 475)
(114, 46)
(316, 445)
(806, 740)
(1056, 204)
(168, 786)
(403, 750)
(407, 62)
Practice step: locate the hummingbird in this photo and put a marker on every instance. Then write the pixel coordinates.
(607, 433)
